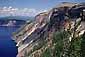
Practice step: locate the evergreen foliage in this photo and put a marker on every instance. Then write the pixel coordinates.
(65, 48)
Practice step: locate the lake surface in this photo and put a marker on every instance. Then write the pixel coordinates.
(7, 45)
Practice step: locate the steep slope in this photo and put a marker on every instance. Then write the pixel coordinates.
(35, 38)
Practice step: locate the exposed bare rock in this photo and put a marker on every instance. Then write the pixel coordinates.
(40, 31)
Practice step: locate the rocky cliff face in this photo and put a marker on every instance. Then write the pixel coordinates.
(36, 36)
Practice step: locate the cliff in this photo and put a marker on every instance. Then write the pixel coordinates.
(37, 36)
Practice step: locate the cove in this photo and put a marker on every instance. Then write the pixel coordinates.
(7, 45)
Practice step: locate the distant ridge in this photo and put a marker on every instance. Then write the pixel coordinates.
(17, 17)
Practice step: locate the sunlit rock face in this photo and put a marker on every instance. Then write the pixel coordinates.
(55, 19)
(31, 32)
(41, 18)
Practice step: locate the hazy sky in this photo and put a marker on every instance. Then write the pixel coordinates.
(29, 7)
(37, 4)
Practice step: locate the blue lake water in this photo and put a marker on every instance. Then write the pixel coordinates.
(7, 45)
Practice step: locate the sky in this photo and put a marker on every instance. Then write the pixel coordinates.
(30, 6)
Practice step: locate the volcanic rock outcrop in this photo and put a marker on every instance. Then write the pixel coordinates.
(40, 31)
